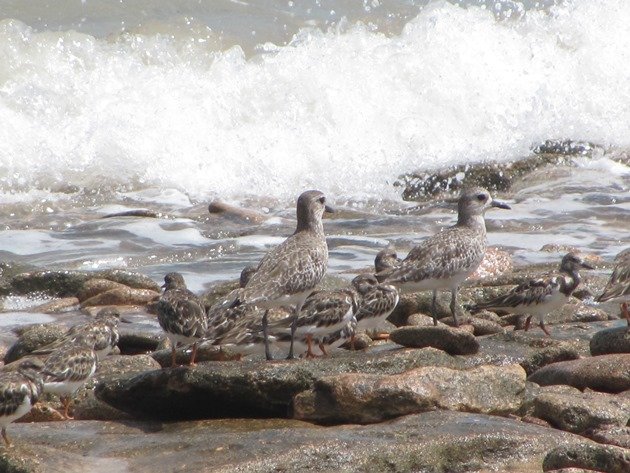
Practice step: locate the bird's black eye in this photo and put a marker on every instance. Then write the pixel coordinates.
(481, 197)
(322, 200)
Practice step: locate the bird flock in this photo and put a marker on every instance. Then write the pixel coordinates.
(278, 308)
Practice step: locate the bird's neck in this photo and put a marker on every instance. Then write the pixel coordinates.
(569, 282)
(312, 225)
(475, 222)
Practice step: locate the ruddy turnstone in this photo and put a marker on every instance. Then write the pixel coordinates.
(323, 313)
(67, 369)
(376, 301)
(618, 287)
(19, 391)
(102, 331)
(386, 259)
(446, 259)
(541, 296)
(288, 274)
(181, 315)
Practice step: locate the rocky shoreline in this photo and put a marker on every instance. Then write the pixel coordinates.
(475, 398)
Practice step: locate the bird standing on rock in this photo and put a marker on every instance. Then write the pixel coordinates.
(289, 273)
(618, 287)
(446, 259)
(541, 296)
(181, 315)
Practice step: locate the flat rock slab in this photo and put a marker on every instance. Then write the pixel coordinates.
(590, 456)
(248, 388)
(432, 441)
(612, 340)
(608, 373)
(577, 412)
(368, 398)
(451, 340)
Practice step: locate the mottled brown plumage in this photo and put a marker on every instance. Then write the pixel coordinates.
(181, 314)
(19, 391)
(618, 287)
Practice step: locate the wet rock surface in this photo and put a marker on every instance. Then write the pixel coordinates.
(452, 340)
(613, 340)
(432, 441)
(364, 398)
(595, 457)
(608, 373)
(248, 387)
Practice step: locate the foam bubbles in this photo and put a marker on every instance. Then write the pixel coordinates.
(346, 111)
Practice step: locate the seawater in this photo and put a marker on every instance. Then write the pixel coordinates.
(107, 106)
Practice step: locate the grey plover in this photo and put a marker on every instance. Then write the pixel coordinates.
(541, 296)
(181, 315)
(446, 259)
(67, 369)
(618, 287)
(102, 332)
(290, 272)
(19, 391)
(386, 259)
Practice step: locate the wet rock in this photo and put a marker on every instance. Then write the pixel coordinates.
(480, 326)
(577, 412)
(133, 341)
(361, 342)
(612, 340)
(33, 338)
(421, 320)
(406, 306)
(205, 352)
(43, 411)
(580, 312)
(249, 387)
(52, 283)
(437, 441)
(145, 213)
(491, 316)
(122, 296)
(611, 435)
(88, 407)
(95, 286)
(492, 176)
(608, 373)
(495, 262)
(366, 398)
(127, 278)
(549, 355)
(451, 340)
(57, 305)
(232, 211)
(590, 456)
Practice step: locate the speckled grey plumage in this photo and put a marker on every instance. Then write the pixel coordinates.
(446, 259)
(291, 271)
(618, 287)
(386, 259)
(540, 296)
(19, 391)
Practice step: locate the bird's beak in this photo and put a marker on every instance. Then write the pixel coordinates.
(585, 265)
(500, 205)
(329, 209)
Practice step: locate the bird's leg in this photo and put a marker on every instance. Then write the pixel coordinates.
(298, 307)
(454, 305)
(625, 312)
(433, 308)
(193, 355)
(65, 401)
(544, 329)
(352, 342)
(7, 442)
(173, 355)
(528, 321)
(323, 349)
(309, 346)
(265, 328)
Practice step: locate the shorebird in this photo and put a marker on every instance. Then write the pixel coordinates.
(67, 369)
(446, 259)
(102, 332)
(618, 287)
(386, 259)
(181, 315)
(376, 301)
(288, 274)
(19, 391)
(541, 296)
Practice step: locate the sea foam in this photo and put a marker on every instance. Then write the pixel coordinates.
(346, 110)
